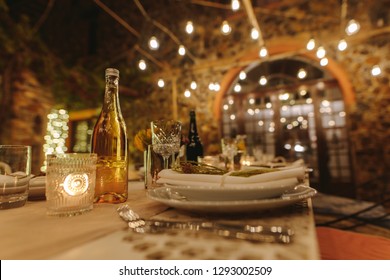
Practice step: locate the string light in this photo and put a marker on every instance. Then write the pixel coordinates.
(161, 83)
(263, 80)
(226, 28)
(353, 27)
(235, 5)
(376, 70)
(187, 93)
(182, 50)
(324, 61)
(237, 88)
(342, 45)
(311, 44)
(255, 34)
(154, 43)
(302, 73)
(193, 85)
(242, 75)
(142, 65)
(263, 52)
(189, 27)
(321, 52)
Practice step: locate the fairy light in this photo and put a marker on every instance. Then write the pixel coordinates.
(321, 52)
(226, 28)
(263, 52)
(189, 27)
(226, 107)
(193, 85)
(252, 101)
(160, 83)
(311, 44)
(217, 86)
(242, 75)
(235, 5)
(142, 65)
(255, 34)
(187, 93)
(324, 61)
(376, 70)
(302, 73)
(232, 117)
(352, 28)
(182, 50)
(263, 80)
(342, 45)
(237, 88)
(154, 43)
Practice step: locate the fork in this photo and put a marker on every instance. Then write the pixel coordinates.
(257, 233)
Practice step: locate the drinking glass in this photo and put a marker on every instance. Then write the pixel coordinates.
(15, 169)
(229, 150)
(166, 136)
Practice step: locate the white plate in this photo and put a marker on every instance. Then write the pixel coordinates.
(168, 196)
(236, 192)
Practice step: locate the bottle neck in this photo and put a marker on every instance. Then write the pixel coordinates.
(193, 131)
(111, 98)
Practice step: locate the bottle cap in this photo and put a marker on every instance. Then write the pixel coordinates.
(112, 72)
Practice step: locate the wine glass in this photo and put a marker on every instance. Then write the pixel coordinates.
(229, 150)
(166, 135)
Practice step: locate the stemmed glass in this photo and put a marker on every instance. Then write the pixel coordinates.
(229, 150)
(166, 135)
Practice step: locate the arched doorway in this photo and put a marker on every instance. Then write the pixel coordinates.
(292, 107)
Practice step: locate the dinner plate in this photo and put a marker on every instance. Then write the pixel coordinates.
(174, 199)
(236, 192)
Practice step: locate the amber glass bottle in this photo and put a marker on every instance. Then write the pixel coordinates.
(109, 142)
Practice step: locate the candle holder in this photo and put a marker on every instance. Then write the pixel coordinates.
(70, 183)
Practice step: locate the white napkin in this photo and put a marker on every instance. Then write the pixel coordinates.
(288, 176)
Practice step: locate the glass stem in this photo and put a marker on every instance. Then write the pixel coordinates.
(166, 162)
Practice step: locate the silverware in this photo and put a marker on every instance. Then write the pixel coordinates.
(257, 233)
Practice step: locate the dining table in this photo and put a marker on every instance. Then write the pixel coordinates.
(28, 233)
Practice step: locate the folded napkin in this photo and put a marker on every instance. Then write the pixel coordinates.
(290, 176)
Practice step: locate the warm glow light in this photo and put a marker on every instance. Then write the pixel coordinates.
(263, 80)
(303, 92)
(235, 5)
(225, 107)
(260, 123)
(353, 27)
(321, 52)
(226, 29)
(284, 96)
(302, 73)
(153, 43)
(142, 65)
(189, 27)
(299, 148)
(182, 50)
(324, 61)
(255, 34)
(231, 101)
(342, 46)
(252, 101)
(263, 52)
(217, 86)
(193, 85)
(161, 83)
(237, 88)
(242, 75)
(268, 105)
(232, 117)
(311, 44)
(187, 93)
(376, 70)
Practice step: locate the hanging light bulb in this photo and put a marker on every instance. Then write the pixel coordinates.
(254, 34)
(153, 43)
(235, 5)
(237, 88)
(321, 52)
(263, 80)
(211, 86)
(324, 61)
(217, 86)
(342, 46)
(226, 29)
(376, 70)
(182, 50)
(161, 83)
(263, 52)
(189, 27)
(353, 27)
(242, 75)
(142, 65)
(193, 85)
(311, 44)
(302, 73)
(187, 93)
